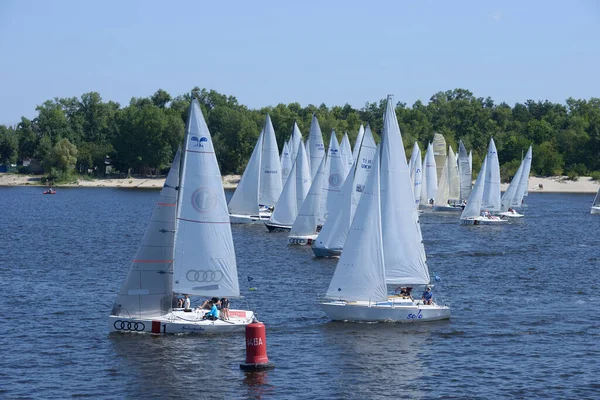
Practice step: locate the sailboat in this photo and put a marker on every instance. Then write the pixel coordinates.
(293, 195)
(359, 138)
(429, 184)
(448, 193)
(335, 173)
(331, 238)
(465, 173)
(439, 152)
(374, 253)
(513, 196)
(187, 248)
(306, 226)
(261, 184)
(315, 146)
(286, 163)
(472, 214)
(596, 205)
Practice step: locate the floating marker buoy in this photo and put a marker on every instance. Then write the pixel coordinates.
(256, 348)
(252, 289)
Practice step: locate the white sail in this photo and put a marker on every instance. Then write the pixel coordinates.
(286, 210)
(316, 147)
(431, 171)
(442, 195)
(245, 198)
(286, 163)
(464, 170)
(424, 183)
(439, 151)
(471, 160)
(596, 202)
(473, 207)
(360, 271)
(346, 151)
(308, 217)
(511, 191)
(418, 178)
(405, 261)
(148, 287)
(307, 149)
(295, 141)
(453, 176)
(359, 138)
(270, 168)
(363, 167)
(303, 178)
(335, 172)
(411, 164)
(202, 218)
(335, 230)
(491, 189)
(517, 200)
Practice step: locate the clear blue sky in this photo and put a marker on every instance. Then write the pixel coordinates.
(312, 52)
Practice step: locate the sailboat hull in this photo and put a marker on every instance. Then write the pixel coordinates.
(262, 217)
(181, 322)
(511, 214)
(391, 311)
(595, 210)
(325, 252)
(482, 221)
(448, 208)
(277, 227)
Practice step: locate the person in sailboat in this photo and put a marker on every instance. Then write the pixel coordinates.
(207, 304)
(186, 302)
(225, 308)
(213, 314)
(427, 296)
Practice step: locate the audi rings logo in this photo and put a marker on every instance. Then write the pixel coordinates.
(203, 276)
(297, 241)
(129, 326)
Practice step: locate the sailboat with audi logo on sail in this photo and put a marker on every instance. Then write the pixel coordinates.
(187, 249)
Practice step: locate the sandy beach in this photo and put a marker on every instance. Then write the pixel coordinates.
(229, 182)
(554, 184)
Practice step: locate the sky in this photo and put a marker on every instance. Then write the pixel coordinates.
(311, 52)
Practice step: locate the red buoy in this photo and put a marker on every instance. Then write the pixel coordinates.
(256, 348)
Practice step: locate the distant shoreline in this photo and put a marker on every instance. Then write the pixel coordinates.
(553, 184)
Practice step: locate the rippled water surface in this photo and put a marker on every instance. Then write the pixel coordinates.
(524, 298)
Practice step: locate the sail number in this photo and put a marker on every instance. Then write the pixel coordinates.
(413, 316)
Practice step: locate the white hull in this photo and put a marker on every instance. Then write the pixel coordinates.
(181, 322)
(263, 216)
(447, 208)
(394, 310)
(595, 210)
(511, 214)
(302, 240)
(482, 221)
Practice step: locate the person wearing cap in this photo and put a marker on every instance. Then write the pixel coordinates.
(427, 295)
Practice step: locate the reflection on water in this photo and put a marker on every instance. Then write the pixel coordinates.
(257, 384)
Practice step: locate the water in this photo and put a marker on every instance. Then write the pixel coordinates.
(524, 297)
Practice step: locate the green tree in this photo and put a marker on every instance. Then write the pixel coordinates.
(9, 145)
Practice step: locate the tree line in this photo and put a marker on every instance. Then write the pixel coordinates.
(76, 135)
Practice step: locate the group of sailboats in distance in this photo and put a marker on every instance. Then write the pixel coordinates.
(361, 205)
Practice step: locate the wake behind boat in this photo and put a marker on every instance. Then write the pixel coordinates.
(187, 248)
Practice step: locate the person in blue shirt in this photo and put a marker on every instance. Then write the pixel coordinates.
(213, 314)
(427, 296)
